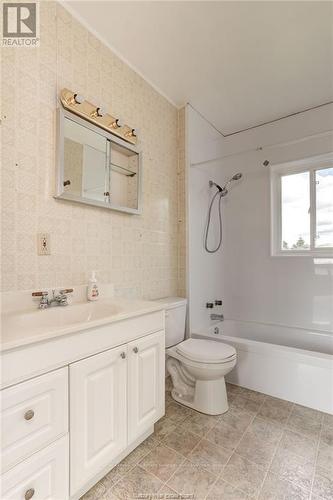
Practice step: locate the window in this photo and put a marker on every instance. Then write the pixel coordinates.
(302, 207)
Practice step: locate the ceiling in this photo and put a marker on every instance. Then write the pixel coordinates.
(240, 64)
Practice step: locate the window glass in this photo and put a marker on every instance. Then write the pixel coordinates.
(324, 207)
(295, 199)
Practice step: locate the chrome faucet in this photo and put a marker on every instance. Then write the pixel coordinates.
(219, 317)
(59, 299)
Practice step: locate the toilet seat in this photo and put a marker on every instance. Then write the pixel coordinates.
(206, 351)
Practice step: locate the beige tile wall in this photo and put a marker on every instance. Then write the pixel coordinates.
(141, 255)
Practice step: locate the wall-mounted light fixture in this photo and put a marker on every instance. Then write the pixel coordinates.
(97, 115)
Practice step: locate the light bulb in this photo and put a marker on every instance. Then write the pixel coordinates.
(78, 98)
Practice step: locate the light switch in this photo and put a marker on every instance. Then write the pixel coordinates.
(43, 244)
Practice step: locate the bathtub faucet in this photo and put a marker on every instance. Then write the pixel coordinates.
(219, 317)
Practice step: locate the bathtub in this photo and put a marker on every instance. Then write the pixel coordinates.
(289, 363)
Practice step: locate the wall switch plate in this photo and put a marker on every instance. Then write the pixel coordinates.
(43, 244)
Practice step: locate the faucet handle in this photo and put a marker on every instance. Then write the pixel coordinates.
(40, 294)
(64, 291)
(44, 301)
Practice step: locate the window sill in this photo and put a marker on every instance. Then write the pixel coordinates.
(310, 253)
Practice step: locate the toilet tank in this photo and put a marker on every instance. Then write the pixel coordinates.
(175, 316)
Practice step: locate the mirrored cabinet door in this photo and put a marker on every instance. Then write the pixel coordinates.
(86, 162)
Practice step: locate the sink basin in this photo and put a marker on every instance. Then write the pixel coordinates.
(24, 327)
(58, 316)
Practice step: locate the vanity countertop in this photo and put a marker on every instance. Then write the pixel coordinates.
(26, 327)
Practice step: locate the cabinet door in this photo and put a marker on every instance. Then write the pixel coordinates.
(98, 413)
(43, 476)
(146, 367)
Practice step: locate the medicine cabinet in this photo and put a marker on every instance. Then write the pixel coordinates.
(96, 168)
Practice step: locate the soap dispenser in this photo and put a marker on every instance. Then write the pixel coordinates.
(92, 291)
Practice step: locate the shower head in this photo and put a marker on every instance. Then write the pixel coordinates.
(235, 177)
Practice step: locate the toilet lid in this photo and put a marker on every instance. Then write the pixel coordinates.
(207, 351)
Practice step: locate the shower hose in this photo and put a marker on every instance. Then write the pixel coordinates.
(213, 250)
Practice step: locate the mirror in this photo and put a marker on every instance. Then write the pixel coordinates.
(85, 162)
(95, 167)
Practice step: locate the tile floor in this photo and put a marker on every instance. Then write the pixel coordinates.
(262, 448)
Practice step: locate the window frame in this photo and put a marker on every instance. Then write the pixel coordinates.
(310, 165)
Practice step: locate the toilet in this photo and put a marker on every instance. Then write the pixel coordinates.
(197, 367)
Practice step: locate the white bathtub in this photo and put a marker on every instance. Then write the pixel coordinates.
(289, 363)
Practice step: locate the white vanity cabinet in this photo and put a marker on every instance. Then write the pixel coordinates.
(74, 405)
(115, 397)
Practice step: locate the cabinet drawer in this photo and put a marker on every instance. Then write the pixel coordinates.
(33, 414)
(43, 476)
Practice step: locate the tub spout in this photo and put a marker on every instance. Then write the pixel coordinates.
(218, 317)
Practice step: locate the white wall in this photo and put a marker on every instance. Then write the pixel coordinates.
(205, 270)
(293, 291)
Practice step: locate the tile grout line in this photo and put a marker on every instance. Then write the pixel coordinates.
(285, 428)
(232, 454)
(275, 452)
(184, 456)
(204, 437)
(165, 483)
(172, 475)
(234, 450)
(201, 439)
(131, 467)
(137, 464)
(316, 459)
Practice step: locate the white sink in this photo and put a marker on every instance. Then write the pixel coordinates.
(23, 327)
(58, 316)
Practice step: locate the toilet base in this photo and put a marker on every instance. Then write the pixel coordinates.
(209, 397)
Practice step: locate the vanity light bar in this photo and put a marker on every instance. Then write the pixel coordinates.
(77, 104)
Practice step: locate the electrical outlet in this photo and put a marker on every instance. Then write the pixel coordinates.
(44, 247)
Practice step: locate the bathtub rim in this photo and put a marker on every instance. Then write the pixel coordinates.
(312, 357)
(317, 331)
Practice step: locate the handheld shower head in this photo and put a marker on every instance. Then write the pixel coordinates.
(235, 177)
(219, 194)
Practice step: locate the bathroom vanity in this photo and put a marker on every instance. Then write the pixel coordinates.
(81, 387)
